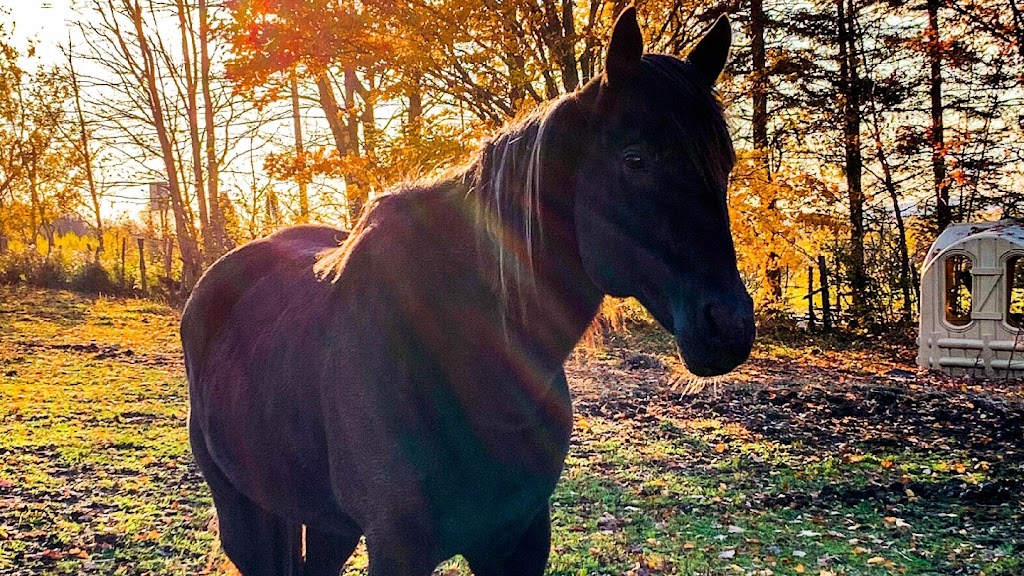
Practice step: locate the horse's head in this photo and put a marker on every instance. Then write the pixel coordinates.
(650, 209)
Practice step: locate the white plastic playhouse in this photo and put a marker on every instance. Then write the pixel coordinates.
(972, 300)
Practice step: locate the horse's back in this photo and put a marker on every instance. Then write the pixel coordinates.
(233, 275)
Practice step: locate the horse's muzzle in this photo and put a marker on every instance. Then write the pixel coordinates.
(716, 335)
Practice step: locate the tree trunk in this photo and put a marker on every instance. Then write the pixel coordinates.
(559, 35)
(850, 96)
(943, 213)
(759, 121)
(590, 54)
(356, 191)
(415, 96)
(33, 198)
(190, 256)
(300, 153)
(217, 224)
(906, 283)
(94, 195)
(191, 109)
(329, 104)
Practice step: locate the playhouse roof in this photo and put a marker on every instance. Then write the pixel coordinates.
(1011, 230)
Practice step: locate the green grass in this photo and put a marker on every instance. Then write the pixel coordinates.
(96, 476)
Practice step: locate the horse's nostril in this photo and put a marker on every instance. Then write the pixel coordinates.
(710, 314)
(722, 319)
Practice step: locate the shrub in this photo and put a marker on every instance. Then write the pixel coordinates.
(93, 278)
(50, 273)
(18, 267)
(31, 267)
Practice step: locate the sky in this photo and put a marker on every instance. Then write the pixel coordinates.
(49, 24)
(45, 21)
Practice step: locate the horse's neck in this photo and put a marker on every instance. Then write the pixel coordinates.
(555, 315)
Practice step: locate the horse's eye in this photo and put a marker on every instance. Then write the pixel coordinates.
(633, 160)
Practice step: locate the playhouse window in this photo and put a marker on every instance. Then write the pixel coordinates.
(958, 290)
(1015, 291)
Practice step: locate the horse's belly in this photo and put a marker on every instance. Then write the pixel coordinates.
(268, 443)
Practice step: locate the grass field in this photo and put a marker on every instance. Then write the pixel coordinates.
(807, 461)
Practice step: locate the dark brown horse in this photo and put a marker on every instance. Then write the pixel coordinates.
(405, 382)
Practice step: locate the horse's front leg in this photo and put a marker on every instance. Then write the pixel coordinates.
(529, 557)
(402, 547)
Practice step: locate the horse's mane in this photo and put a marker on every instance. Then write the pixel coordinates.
(502, 182)
(505, 179)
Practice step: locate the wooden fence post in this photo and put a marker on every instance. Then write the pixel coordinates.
(142, 264)
(124, 254)
(826, 306)
(168, 256)
(810, 297)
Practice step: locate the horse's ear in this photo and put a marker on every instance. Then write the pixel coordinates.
(711, 52)
(625, 48)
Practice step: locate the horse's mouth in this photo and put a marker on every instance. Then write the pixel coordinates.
(711, 362)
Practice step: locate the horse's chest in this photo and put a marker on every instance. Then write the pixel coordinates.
(496, 480)
(474, 478)
(481, 507)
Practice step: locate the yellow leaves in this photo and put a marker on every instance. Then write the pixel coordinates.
(894, 522)
(881, 561)
(582, 423)
(721, 447)
(152, 535)
(655, 562)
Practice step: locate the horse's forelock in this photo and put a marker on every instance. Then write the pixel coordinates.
(708, 144)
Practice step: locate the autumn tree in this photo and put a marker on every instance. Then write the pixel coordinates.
(38, 175)
(174, 107)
